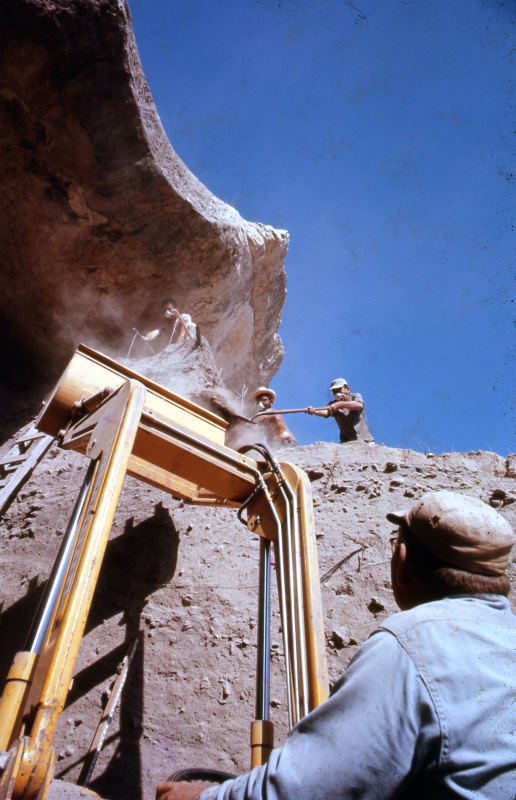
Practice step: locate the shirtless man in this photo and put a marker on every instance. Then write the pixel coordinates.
(174, 329)
(277, 433)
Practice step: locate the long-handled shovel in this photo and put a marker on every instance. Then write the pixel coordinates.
(272, 411)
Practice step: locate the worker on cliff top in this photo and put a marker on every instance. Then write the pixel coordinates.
(276, 431)
(348, 411)
(174, 328)
(426, 707)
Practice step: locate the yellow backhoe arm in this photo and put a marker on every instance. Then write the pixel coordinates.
(126, 424)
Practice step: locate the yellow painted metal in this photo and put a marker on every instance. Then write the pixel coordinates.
(179, 445)
(89, 372)
(53, 672)
(297, 570)
(162, 478)
(312, 600)
(175, 485)
(169, 442)
(262, 741)
(175, 458)
(13, 697)
(183, 452)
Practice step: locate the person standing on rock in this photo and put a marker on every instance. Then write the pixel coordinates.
(348, 411)
(276, 431)
(174, 328)
(426, 708)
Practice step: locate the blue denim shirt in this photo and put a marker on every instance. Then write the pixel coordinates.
(426, 709)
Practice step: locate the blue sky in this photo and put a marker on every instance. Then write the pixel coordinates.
(380, 134)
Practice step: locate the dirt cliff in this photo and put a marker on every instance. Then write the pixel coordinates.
(184, 580)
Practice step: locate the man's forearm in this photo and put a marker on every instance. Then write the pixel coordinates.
(353, 405)
(318, 412)
(182, 790)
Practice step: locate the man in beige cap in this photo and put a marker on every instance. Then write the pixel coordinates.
(276, 431)
(427, 707)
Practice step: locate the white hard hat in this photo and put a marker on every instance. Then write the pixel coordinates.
(264, 390)
(338, 383)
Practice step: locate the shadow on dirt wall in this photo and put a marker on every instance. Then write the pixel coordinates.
(136, 563)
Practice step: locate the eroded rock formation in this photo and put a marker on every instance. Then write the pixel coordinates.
(99, 216)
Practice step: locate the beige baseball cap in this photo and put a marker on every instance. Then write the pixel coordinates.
(460, 530)
(338, 383)
(264, 390)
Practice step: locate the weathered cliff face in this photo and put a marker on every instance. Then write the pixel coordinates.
(99, 218)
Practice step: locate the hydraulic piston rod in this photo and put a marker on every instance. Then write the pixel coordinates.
(60, 569)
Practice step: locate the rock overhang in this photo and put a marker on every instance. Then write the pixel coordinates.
(101, 218)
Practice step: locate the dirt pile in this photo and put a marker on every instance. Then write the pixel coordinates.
(184, 580)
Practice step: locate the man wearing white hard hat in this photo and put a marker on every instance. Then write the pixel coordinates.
(276, 431)
(348, 411)
(426, 710)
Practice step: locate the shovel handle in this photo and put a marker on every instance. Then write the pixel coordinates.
(273, 411)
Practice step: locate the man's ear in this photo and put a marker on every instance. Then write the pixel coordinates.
(401, 577)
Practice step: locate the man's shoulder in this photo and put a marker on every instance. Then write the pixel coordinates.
(356, 396)
(468, 608)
